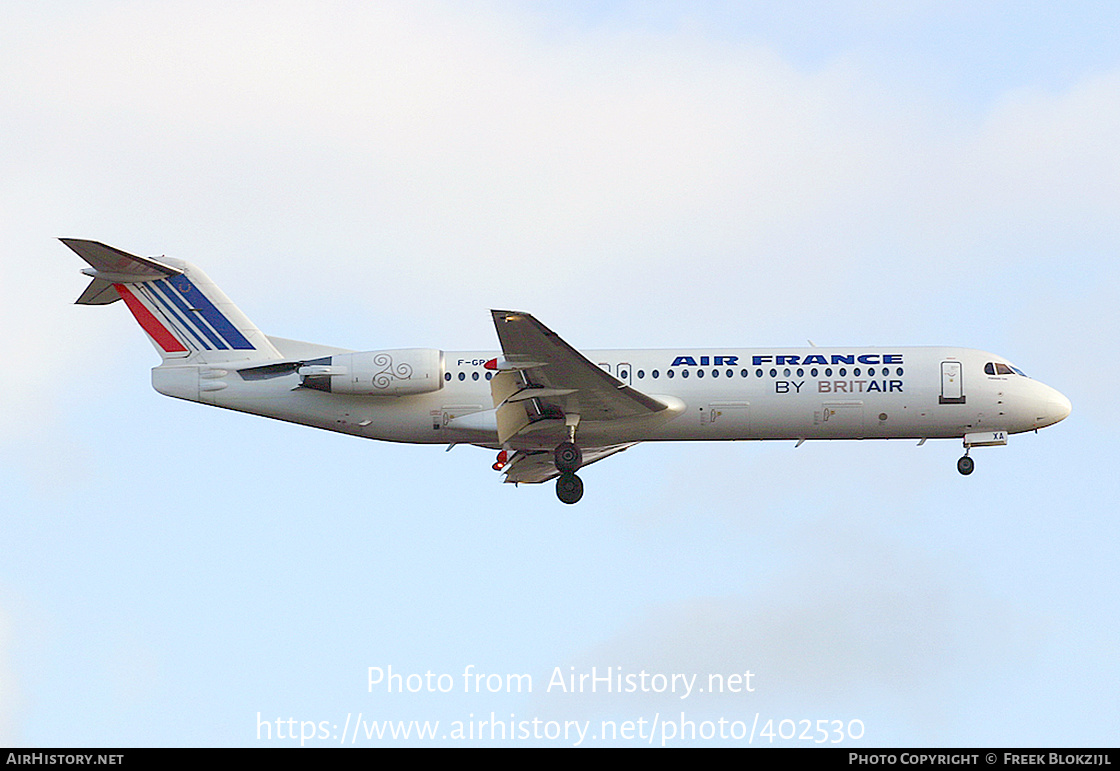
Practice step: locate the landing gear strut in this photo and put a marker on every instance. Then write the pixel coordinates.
(965, 465)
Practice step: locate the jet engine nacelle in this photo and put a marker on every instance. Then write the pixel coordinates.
(401, 372)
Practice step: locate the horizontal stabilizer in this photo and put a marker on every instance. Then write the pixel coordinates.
(112, 266)
(99, 292)
(106, 259)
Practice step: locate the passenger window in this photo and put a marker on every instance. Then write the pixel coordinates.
(474, 376)
(641, 374)
(655, 374)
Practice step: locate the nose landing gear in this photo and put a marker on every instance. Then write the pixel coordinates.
(995, 438)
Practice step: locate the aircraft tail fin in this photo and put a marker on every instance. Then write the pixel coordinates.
(185, 315)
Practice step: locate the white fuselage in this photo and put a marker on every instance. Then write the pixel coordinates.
(724, 394)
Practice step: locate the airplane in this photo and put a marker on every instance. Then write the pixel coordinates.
(548, 409)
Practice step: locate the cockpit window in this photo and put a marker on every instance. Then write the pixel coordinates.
(999, 368)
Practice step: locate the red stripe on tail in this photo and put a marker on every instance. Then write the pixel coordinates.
(150, 323)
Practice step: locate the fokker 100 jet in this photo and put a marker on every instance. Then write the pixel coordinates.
(548, 409)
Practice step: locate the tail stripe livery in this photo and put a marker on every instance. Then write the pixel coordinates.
(172, 301)
(157, 331)
(182, 329)
(197, 301)
(188, 315)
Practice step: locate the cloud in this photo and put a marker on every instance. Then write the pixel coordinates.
(853, 617)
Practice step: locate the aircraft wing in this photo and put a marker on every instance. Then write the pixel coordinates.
(534, 466)
(543, 384)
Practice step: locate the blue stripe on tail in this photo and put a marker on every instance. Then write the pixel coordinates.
(199, 302)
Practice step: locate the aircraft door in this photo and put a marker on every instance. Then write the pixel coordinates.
(622, 371)
(952, 389)
(625, 373)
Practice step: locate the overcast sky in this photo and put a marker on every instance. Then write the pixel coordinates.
(378, 175)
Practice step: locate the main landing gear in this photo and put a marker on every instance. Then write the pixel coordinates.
(569, 488)
(568, 458)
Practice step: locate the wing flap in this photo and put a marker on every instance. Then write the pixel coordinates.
(535, 466)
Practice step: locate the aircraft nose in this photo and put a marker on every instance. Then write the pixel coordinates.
(1060, 407)
(1055, 407)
